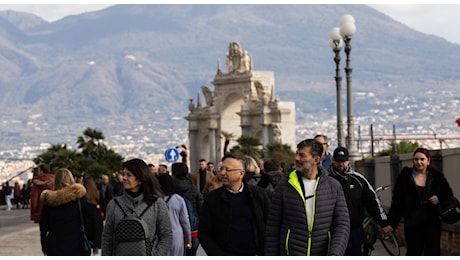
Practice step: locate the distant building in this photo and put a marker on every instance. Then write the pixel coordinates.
(243, 103)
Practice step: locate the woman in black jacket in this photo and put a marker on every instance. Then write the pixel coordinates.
(60, 223)
(416, 193)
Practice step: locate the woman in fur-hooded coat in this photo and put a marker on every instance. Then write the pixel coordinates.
(60, 222)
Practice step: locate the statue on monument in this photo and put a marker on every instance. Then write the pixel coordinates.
(260, 90)
(191, 106)
(276, 127)
(237, 59)
(229, 63)
(245, 63)
(207, 95)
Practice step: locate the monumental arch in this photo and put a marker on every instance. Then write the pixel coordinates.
(243, 102)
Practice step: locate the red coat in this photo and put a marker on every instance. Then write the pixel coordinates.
(45, 181)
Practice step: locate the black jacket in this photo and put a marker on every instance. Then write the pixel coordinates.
(216, 216)
(194, 195)
(360, 196)
(60, 223)
(414, 208)
(288, 232)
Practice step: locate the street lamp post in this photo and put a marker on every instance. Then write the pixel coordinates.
(336, 43)
(347, 30)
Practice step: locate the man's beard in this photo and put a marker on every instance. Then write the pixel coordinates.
(304, 169)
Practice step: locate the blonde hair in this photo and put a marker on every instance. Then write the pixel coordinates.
(63, 178)
(251, 165)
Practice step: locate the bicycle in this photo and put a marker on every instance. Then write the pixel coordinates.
(372, 233)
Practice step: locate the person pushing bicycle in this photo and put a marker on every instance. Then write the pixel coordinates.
(360, 197)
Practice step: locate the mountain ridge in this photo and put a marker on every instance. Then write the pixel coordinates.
(127, 62)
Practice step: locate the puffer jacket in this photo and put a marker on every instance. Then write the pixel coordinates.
(288, 232)
(60, 221)
(156, 217)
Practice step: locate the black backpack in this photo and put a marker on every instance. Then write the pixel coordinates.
(131, 234)
(190, 210)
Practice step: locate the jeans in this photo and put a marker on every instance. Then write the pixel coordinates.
(194, 249)
(8, 201)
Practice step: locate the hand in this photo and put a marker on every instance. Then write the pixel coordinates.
(387, 229)
(188, 245)
(434, 200)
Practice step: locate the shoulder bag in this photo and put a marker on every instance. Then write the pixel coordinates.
(449, 210)
(87, 248)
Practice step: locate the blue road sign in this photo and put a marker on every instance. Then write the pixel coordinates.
(172, 154)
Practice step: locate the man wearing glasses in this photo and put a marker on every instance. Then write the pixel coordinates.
(233, 217)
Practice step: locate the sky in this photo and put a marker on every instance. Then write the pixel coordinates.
(436, 19)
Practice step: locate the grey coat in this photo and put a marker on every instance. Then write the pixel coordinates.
(287, 231)
(157, 218)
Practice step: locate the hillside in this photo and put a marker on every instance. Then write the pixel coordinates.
(132, 65)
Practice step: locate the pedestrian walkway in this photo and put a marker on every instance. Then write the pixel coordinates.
(23, 243)
(26, 242)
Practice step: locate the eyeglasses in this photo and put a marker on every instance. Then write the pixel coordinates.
(221, 169)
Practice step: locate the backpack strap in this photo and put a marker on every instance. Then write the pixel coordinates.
(119, 205)
(169, 197)
(124, 212)
(149, 204)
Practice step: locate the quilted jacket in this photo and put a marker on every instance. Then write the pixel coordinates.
(287, 231)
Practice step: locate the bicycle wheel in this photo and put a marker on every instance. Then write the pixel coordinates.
(390, 243)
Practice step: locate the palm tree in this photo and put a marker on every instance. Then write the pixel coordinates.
(248, 145)
(94, 158)
(228, 137)
(280, 152)
(90, 143)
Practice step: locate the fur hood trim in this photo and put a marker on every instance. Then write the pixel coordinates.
(70, 193)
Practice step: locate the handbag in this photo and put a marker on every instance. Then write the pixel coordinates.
(449, 210)
(87, 246)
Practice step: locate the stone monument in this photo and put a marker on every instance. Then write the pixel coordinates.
(243, 103)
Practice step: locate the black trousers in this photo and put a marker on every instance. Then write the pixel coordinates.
(424, 239)
(355, 242)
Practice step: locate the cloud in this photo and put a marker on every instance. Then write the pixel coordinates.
(51, 12)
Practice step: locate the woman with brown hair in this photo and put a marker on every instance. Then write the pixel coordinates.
(93, 220)
(141, 197)
(416, 193)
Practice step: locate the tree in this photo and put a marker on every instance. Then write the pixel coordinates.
(401, 148)
(92, 159)
(280, 152)
(228, 137)
(91, 142)
(248, 145)
(58, 156)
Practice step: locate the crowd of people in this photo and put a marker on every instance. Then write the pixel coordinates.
(240, 206)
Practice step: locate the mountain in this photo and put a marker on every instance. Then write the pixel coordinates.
(128, 66)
